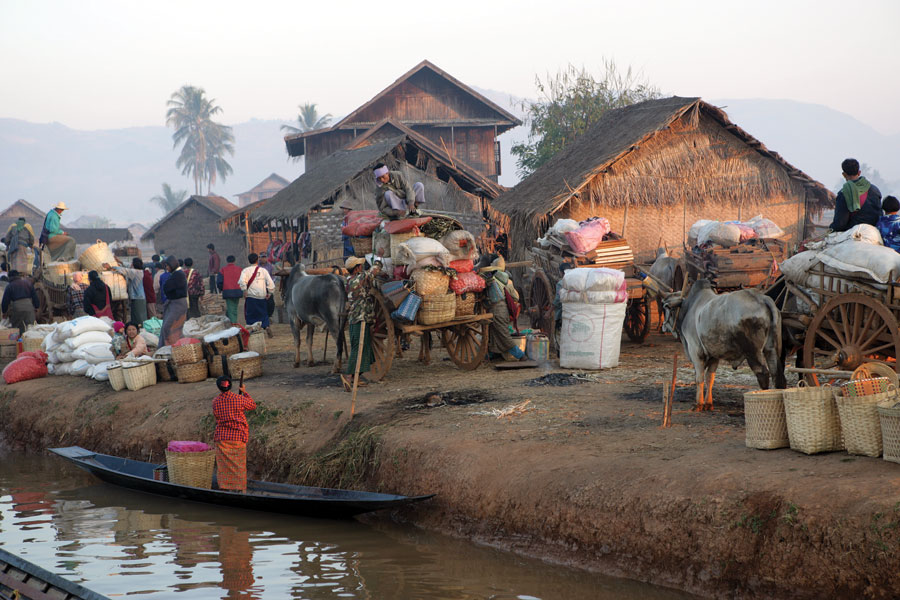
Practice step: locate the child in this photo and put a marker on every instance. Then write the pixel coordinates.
(231, 436)
(889, 224)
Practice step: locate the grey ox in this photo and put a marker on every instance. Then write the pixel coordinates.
(662, 271)
(312, 300)
(735, 326)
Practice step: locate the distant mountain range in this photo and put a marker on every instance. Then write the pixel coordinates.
(113, 173)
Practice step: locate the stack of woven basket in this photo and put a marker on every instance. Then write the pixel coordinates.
(246, 365)
(438, 305)
(189, 363)
(219, 351)
(212, 304)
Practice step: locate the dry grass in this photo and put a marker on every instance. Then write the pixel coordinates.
(345, 465)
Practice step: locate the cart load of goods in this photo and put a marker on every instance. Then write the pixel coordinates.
(826, 263)
(735, 254)
(61, 274)
(593, 311)
(590, 241)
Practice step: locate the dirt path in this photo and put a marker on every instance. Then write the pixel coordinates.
(582, 474)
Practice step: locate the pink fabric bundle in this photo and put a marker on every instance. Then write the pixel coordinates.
(588, 236)
(747, 232)
(462, 266)
(467, 282)
(187, 447)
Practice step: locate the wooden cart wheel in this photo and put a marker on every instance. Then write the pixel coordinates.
(540, 303)
(44, 313)
(383, 339)
(849, 330)
(637, 319)
(467, 343)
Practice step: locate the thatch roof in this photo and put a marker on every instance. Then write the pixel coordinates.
(217, 205)
(617, 134)
(260, 186)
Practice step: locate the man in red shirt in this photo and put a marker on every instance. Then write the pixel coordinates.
(149, 293)
(231, 436)
(230, 275)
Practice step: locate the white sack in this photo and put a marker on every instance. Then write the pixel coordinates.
(51, 369)
(586, 279)
(38, 332)
(50, 344)
(94, 353)
(591, 297)
(765, 228)
(221, 335)
(452, 241)
(163, 352)
(248, 354)
(414, 249)
(88, 337)
(79, 367)
(859, 233)
(694, 232)
(78, 326)
(203, 326)
(64, 355)
(876, 262)
(591, 335)
(62, 369)
(723, 234)
(100, 373)
(150, 338)
(796, 268)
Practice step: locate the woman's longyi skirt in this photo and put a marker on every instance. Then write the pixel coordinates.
(231, 465)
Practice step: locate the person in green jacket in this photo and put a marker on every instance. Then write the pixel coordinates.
(60, 245)
(394, 196)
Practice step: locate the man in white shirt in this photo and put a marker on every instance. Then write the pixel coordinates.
(257, 284)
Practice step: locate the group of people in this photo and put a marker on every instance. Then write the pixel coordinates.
(859, 202)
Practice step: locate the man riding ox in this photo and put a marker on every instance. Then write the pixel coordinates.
(312, 300)
(735, 326)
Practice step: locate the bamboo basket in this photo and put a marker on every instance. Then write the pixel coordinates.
(465, 304)
(860, 423)
(194, 469)
(30, 344)
(889, 415)
(812, 419)
(165, 371)
(139, 376)
(250, 366)
(399, 238)
(93, 258)
(187, 354)
(118, 288)
(116, 378)
(362, 245)
(227, 346)
(257, 343)
(764, 420)
(437, 309)
(430, 283)
(193, 372)
(58, 272)
(216, 366)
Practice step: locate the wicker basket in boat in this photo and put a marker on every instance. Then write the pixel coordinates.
(437, 309)
(227, 346)
(860, 423)
(250, 366)
(465, 304)
(399, 238)
(116, 378)
(187, 354)
(430, 282)
(216, 366)
(31, 344)
(139, 375)
(191, 468)
(93, 258)
(165, 371)
(812, 419)
(764, 420)
(193, 372)
(889, 416)
(257, 343)
(362, 245)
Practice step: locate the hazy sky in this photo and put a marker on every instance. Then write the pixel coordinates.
(110, 64)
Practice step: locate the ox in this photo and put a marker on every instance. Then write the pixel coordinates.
(662, 271)
(735, 326)
(312, 300)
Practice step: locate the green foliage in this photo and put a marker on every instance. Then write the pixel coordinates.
(570, 102)
(204, 142)
(169, 199)
(308, 119)
(263, 415)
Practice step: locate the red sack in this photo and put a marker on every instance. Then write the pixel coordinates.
(362, 226)
(186, 342)
(467, 282)
(462, 266)
(355, 215)
(400, 272)
(29, 365)
(405, 225)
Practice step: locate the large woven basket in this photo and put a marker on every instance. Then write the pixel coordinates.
(226, 347)
(165, 371)
(216, 366)
(465, 304)
(430, 283)
(362, 245)
(399, 238)
(437, 309)
(860, 423)
(250, 366)
(257, 343)
(764, 420)
(889, 415)
(212, 304)
(812, 419)
(116, 378)
(93, 258)
(191, 468)
(139, 376)
(118, 287)
(193, 372)
(31, 344)
(187, 354)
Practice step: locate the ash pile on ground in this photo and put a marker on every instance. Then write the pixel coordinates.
(451, 398)
(556, 379)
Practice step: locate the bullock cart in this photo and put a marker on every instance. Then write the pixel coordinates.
(752, 264)
(614, 254)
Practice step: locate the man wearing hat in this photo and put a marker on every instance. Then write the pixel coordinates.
(394, 196)
(231, 435)
(360, 316)
(60, 246)
(346, 208)
(19, 240)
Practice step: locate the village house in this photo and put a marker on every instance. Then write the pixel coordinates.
(653, 169)
(193, 224)
(21, 208)
(430, 102)
(263, 190)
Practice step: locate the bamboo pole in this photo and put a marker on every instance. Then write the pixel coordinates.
(359, 353)
(671, 400)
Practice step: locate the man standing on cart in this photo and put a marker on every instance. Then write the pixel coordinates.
(395, 198)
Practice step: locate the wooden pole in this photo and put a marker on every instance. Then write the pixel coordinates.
(665, 398)
(668, 419)
(359, 352)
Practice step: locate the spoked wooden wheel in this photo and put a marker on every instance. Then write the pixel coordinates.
(466, 343)
(383, 340)
(44, 312)
(637, 319)
(540, 306)
(849, 330)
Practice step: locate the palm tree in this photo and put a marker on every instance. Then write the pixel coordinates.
(169, 198)
(307, 120)
(205, 142)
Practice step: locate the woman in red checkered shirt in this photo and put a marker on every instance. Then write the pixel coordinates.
(231, 435)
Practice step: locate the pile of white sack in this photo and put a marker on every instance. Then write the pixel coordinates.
(80, 347)
(593, 312)
(732, 233)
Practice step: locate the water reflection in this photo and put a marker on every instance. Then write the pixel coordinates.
(119, 543)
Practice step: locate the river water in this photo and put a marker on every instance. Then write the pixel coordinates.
(119, 543)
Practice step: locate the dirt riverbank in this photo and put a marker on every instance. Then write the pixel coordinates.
(582, 474)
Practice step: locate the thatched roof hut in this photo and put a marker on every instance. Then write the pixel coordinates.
(193, 224)
(653, 169)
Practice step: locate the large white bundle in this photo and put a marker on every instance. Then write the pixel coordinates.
(796, 268)
(879, 263)
(859, 233)
(221, 335)
(94, 353)
(80, 325)
(151, 338)
(60, 369)
(591, 335)
(694, 232)
(248, 354)
(586, 279)
(79, 367)
(50, 344)
(88, 337)
(592, 297)
(39, 332)
(99, 372)
(723, 234)
(417, 248)
(765, 228)
(461, 245)
(205, 325)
